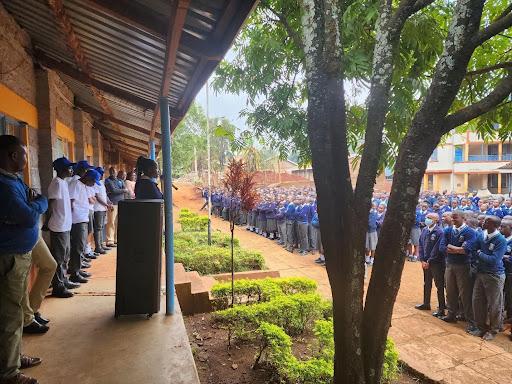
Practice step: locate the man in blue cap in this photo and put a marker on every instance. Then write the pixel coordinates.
(101, 206)
(81, 197)
(59, 221)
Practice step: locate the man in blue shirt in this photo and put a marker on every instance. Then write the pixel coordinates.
(490, 248)
(20, 208)
(456, 243)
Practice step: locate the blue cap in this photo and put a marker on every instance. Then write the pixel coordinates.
(62, 163)
(100, 170)
(94, 174)
(83, 164)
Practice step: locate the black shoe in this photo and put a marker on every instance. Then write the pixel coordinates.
(92, 256)
(70, 285)
(84, 273)
(460, 318)
(40, 319)
(111, 245)
(105, 248)
(101, 251)
(477, 333)
(63, 293)
(471, 328)
(35, 328)
(78, 279)
(86, 260)
(439, 313)
(449, 319)
(85, 265)
(422, 307)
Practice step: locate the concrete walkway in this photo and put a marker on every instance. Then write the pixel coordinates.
(441, 351)
(85, 344)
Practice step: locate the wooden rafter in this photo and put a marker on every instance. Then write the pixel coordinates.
(75, 48)
(84, 78)
(175, 28)
(109, 131)
(93, 111)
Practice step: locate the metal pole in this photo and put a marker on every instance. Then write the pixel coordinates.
(209, 166)
(152, 152)
(169, 234)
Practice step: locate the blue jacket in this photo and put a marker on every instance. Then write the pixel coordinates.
(280, 214)
(302, 213)
(372, 222)
(429, 245)
(507, 263)
(270, 210)
(290, 212)
(420, 218)
(495, 212)
(315, 222)
(19, 219)
(490, 258)
(115, 189)
(466, 235)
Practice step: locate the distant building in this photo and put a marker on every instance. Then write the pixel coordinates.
(466, 163)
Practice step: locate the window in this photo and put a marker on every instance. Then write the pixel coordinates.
(492, 149)
(492, 180)
(433, 157)
(458, 153)
(12, 127)
(62, 147)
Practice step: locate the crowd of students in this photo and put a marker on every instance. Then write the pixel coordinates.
(464, 247)
(77, 209)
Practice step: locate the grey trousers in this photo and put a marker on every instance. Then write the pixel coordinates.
(434, 272)
(488, 300)
(458, 281)
(508, 295)
(99, 224)
(311, 244)
(60, 247)
(290, 233)
(79, 234)
(281, 228)
(303, 236)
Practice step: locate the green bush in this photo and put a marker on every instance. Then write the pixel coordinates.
(255, 291)
(196, 223)
(185, 210)
(187, 215)
(212, 260)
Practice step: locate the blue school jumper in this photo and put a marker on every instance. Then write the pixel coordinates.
(301, 213)
(507, 263)
(280, 215)
(314, 221)
(490, 258)
(428, 250)
(372, 222)
(495, 212)
(290, 212)
(457, 238)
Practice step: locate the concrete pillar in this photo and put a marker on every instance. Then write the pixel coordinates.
(466, 151)
(97, 148)
(79, 128)
(499, 177)
(466, 181)
(425, 182)
(47, 132)
(436, 182)
(500, 152)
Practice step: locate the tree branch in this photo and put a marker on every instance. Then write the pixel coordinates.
(282, 19)
(420, 4)
(406, 9)
(506, 64)
(491, 101)
(501, 23)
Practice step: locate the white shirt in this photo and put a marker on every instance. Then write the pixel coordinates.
(102, 192)
(92, 191)
(60, 220)
(80, 193)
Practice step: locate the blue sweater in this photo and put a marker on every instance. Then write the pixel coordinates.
(495, 212)
(290, 212)
(466, 235)
(428, 250)
(490, 258)
(372, 222)
(315, 222)
(19, 219)
(302, 213)
(507, 263)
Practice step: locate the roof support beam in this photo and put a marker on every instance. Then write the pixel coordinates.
(84, 78)
(105, 116)
(127, 145)
(175, 27)
(75, 48)
(112, 132)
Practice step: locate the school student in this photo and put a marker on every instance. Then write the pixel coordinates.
(381, 215)
(59, 221)
(506, 231)
(101, 206)
(281, 224)
(290, 224)
(270, 213)
(301, 216)
(317, 239)
(371, 235)
(416, 231)
(490, 248)
(495, 210)
(81, 197)
(456, 243)
(432, 262)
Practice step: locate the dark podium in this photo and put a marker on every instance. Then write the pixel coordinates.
(139, 257)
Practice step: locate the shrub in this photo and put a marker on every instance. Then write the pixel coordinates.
(185, 210)
(293, 313)
(255, 291)
(390, 366)
(187, 215)
(213, 260)
(195, 223)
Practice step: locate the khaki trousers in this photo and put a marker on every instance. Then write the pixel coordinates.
(112, 226)
(14, 270)
(44, 261)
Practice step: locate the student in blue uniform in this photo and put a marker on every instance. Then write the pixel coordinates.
(290, 224)
(317, 240)
(490, 247)
(281, 224)
(507, 207)
(432, 262)
(381, 215)
(495, 210)
(301, 216)
(456, 243)
(371, 235)
(419, 224)
(270, 213)
(506, 231)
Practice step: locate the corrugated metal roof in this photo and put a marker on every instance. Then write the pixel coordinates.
(124, 45)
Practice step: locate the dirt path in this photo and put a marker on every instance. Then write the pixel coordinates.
(437, 349)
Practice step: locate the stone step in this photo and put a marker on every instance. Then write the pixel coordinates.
(200, 289)
(183, 287)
